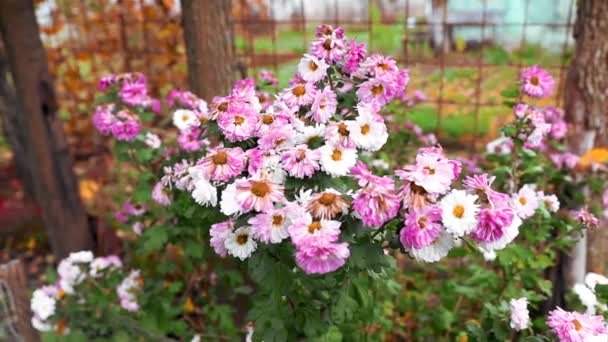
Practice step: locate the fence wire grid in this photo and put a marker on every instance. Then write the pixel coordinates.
(457, 57)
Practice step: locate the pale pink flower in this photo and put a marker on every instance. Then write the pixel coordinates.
(323, 258)
(258, 194)
(300, 161)
(536, 82)
(520, 317)
(422, 227)
(271, 227)
(574, 326)
(223, 164)
(300, 94)
(305, 231)
(377, 204)
(312, 69)
(219, 232)
(324, 105)
(525, 201)
(238, 123)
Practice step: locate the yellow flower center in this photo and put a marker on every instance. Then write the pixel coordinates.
(336, 155)
(277, 220)
(365, 129)
(429, 169)
(223, 106)
(577, 325)
(377, 89)
(299, 90)
(238, 120)
(327, 198)
(242, 239)
(523, 200)
(312, 66)
(260, 189)
(220, 158)
(327, 44)
(458, 211)
(534, 80)
(343, 130)
(314, 226)
(267, 119)
(422, 222)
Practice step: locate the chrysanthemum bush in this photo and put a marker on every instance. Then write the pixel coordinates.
(267, 200)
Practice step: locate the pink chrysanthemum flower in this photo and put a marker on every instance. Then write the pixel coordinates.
(324, 105)
(564, 160)
(269, 121)
(525, 201)
(312, 69)
(258, 194)
(585, 217)
(190, 140)
(305, 231)
(238, 123)
(300, 94)
(220, 105)
(576, 327)
(495, 227)
(269, 77)
(377, 204)
(432, 171)
(536, 82)
(378, 65)
(300, 161)
(355, 54)
(134, 92)
(379, 89)
(277, 139)
(223, 164)
(159, 195)
(337, 134)
(328, 30)
(327, 205)
(422, 227)
(126, 127)
(103, 119)
(271, 227)
(321, 259)
(219, 232)
(329, 48)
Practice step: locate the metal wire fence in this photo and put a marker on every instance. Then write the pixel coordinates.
(458, 57)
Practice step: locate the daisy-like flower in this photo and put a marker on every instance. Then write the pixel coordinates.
(312, 69)
(238, 123)
(368, 131)
(502, 235)
(271, 227)
(159, 195)
(300, 94)
(432, 171)
(100, 264)
(311, 135)
(43, 303)
(436, 251)
(223, 164)
(152, 140)
(377, 204)
(229, 204)
(324, 105)
(218, 106)
(587, 297)
(520, 316)
(576, 327)
(551, 202)
(185, 119)
(204, 192)
(258, 194)
(190, 140)
(459, 212)
(327, 205)
(300, 161)
(536, 82)
(337, 160)
(322, 258)
(278, 138)
(329, 48)
(585, 217)
(219, 232)
(103, 119)
(422, 227)
(269, 120)
(525, 201)
(378, 65)
(240, 244)
(266, 164)
(304, 231)
(379, 89)
(338, 134)
(502, 146)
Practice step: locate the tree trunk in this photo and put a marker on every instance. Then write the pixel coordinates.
(209, 38)
(29, 105)
(15, 297)
(586, 101)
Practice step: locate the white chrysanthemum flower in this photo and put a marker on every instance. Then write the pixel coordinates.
(587, 297)
(459, 212)
(510, 234)
(525, 202)
(152, 140)
(436, 250)
(312, 69)
(81, 257)
(204, 192)
(240, 243)
(70, 274)
(310, 134)
(593, 279)
(42, 304)
(303, 197)
(271, 169)
(502, 145)
(337, 160)
(367, 132)
(228, 204)
(520, 316)
(41, 325)
(185, 119)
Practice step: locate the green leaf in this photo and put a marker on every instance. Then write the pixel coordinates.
(510, 93)
(154, 238)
